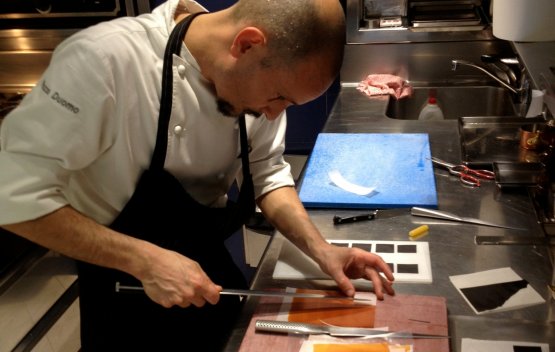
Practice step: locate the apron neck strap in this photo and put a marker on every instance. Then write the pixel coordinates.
(173, 46)
(244, 146)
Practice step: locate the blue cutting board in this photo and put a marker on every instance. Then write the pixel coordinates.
(397, 165)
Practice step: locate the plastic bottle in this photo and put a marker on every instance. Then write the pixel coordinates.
(431, 111)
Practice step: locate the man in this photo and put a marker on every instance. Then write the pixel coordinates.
(123, 154)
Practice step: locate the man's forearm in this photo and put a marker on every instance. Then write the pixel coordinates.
(70, 233)
(283, 209)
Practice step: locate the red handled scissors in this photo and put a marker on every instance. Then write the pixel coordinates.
(467, 175)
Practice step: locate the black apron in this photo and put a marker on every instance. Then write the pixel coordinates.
(162, 212)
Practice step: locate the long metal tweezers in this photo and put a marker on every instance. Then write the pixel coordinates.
(286, 327)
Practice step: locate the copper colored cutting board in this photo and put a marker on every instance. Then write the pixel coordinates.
(414, 313)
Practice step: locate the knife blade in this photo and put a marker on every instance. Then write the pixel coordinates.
(286, 327)
(514, 240)
(444, 215)
(372, 215)
(260, 293)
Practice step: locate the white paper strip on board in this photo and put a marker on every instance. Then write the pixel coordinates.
(338, 180)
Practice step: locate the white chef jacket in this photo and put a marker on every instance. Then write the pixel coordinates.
(87, 131)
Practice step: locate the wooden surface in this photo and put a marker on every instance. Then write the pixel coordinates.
(403, 313)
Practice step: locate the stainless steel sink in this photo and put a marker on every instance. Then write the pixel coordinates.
(455, 102)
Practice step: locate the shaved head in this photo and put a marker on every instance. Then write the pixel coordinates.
(297, 29)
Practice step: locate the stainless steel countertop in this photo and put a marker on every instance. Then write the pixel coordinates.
(452, 247)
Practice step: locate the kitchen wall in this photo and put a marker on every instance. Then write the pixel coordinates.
(419, 61)
(420, 52)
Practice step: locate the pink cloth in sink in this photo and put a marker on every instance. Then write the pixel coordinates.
(381, 84)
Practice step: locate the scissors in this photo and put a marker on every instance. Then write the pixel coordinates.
(467, 175)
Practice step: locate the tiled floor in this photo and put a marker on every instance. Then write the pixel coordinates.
(28, 299)
(64, 335)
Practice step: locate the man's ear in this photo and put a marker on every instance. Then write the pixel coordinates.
(246, 39)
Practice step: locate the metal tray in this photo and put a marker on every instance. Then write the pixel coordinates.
(489, 139)
(517, 174)
(441, 16)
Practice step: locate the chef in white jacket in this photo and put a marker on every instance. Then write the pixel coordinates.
(123, 154)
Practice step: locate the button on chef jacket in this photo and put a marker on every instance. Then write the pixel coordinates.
(87, 131)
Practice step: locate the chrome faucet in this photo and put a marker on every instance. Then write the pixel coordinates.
(521, 94)
(456, 63)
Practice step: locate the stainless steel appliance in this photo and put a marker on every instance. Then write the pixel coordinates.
(372, 21)
(31, 29)
(46, 10)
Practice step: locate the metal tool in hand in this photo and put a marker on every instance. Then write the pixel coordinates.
(286, 327)
(119, 288)
(467, 175)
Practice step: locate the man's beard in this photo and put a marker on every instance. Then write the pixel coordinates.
(228, 110)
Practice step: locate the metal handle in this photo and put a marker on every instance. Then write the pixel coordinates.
(128, 289)
(289, 327)
(337, 220)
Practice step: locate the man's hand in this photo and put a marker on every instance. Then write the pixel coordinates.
(283, 208)
(175, 280)
(343, 264)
